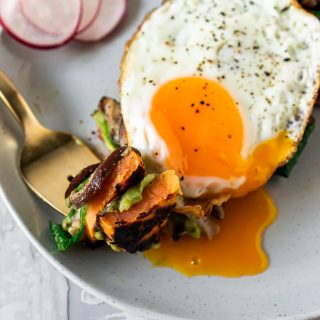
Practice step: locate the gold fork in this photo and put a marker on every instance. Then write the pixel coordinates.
(48, 158)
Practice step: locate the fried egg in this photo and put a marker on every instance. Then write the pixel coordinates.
(220, 91)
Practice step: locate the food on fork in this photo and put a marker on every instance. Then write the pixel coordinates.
(116, 201)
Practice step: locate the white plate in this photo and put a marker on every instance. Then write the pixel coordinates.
(63, 86)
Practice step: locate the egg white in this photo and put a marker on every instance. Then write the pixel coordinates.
(266, 53)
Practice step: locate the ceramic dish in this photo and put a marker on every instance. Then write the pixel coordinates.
(63, 87)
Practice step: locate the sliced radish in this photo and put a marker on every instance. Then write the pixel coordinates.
(52, 16)
(16, 24)
(91, 9)
(109, 16)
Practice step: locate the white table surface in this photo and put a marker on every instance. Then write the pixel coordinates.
(31, 289)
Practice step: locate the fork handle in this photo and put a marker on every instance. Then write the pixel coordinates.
(17, 105)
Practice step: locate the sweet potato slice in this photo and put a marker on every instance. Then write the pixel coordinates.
(127, 171)
(137, 228)
(128, 156)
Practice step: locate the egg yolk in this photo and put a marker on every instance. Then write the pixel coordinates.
(235, 251)
(203, 130)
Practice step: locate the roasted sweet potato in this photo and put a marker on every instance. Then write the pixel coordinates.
(125, 163)
(137, 228)
(116, 175)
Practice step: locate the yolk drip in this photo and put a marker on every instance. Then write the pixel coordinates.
(235, 251)
(202, 128)
(262, 163)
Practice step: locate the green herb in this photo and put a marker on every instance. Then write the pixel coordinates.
(192, 228)
(102, 124)
(67, 220)
(115, 247)
(82, 184)
(62, 238)
(285, 170)
(316, 13)
(134, 194)
(180, 225)
(68, 202)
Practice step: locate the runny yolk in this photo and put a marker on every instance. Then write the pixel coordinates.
(235, 251)
(202, 128)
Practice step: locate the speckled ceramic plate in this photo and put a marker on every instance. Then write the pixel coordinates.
(63, 86)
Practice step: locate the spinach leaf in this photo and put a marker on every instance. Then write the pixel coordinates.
(62, 238)
(316, 13)
(82, 184)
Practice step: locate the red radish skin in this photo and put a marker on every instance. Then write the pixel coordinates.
(110, 14)
(90, 12)
(19, 28)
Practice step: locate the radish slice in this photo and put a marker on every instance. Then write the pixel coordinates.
(109, 16)
(16, 24)
(52, 16)
(91, 9)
